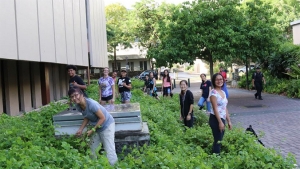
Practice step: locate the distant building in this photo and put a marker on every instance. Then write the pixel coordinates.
(296, 32)
(136, 59)
(38, 39)
(200, 67)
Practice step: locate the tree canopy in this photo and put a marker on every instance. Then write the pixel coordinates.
(222, 30)
(117, 30)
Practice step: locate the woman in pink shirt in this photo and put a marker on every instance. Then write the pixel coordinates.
(166, 84)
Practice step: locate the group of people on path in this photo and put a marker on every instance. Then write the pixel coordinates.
(214, 93)
(166, 88)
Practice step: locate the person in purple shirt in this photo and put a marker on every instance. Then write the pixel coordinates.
(106, 88)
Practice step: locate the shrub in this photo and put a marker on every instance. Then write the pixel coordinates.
(293, 89)
(243, 80)
(287, 55)
(29, 142)
(137, 84)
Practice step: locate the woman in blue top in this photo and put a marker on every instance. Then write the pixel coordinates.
(206, 88)
(152, 86)
(103, 123)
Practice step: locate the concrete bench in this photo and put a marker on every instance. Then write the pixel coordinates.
(129, 129)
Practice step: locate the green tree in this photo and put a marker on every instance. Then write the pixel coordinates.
(117, 28)
(284, 12)
(200, 29)
(259, 37)
(149, 17)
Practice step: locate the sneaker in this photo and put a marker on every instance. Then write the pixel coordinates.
(260, 99)
(255, 96)
(201, 107)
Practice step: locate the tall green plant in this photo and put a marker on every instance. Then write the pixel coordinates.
(294, 71)
(287, 55)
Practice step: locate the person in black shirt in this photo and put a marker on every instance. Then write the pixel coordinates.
(124, 84)
(147, 84)
(206, 88)
(257, 79)
(186, 104)
(75, 80)
(150, 86)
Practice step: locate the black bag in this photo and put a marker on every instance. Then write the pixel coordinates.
(251, 130)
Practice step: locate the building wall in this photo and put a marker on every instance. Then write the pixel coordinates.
(1, 88)
(25, 86)
(97, 33)
(38, 38)
(53, 31)
(296, 34)
(136, 64)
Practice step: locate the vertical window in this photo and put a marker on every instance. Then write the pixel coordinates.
(113, 66)
(141, 65)
(119, 65)
(145, 65)
(131, 66)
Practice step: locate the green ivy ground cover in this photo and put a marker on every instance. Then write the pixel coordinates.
(29, 142)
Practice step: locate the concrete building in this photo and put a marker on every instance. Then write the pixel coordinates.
(296, 32)
(38, 39)
(135, 57)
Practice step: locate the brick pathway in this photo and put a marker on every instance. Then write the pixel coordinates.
(276, 117)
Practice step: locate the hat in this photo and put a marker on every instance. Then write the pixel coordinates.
(257, 67)
(123, 70)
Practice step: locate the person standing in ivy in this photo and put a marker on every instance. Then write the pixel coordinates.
(219, 112)
(186, 104)
(166, 84)
(206, 88)
(124, 84)
(75, 80)
(103, 123)
(224, 88)
(147, 85)
(106, 88)
(152, 85)
(114, 75)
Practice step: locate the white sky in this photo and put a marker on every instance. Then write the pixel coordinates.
(128, 3)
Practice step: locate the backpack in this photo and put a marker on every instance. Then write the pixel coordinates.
(251, 131)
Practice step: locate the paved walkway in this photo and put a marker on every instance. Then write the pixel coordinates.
(276, 117)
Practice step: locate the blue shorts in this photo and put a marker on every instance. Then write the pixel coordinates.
(153, 92)
(125, 96)
(166, 91)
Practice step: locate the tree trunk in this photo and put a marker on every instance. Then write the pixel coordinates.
(211, 65)
(115, 58)
(247, 79)
(151, 64)
(88, 75)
